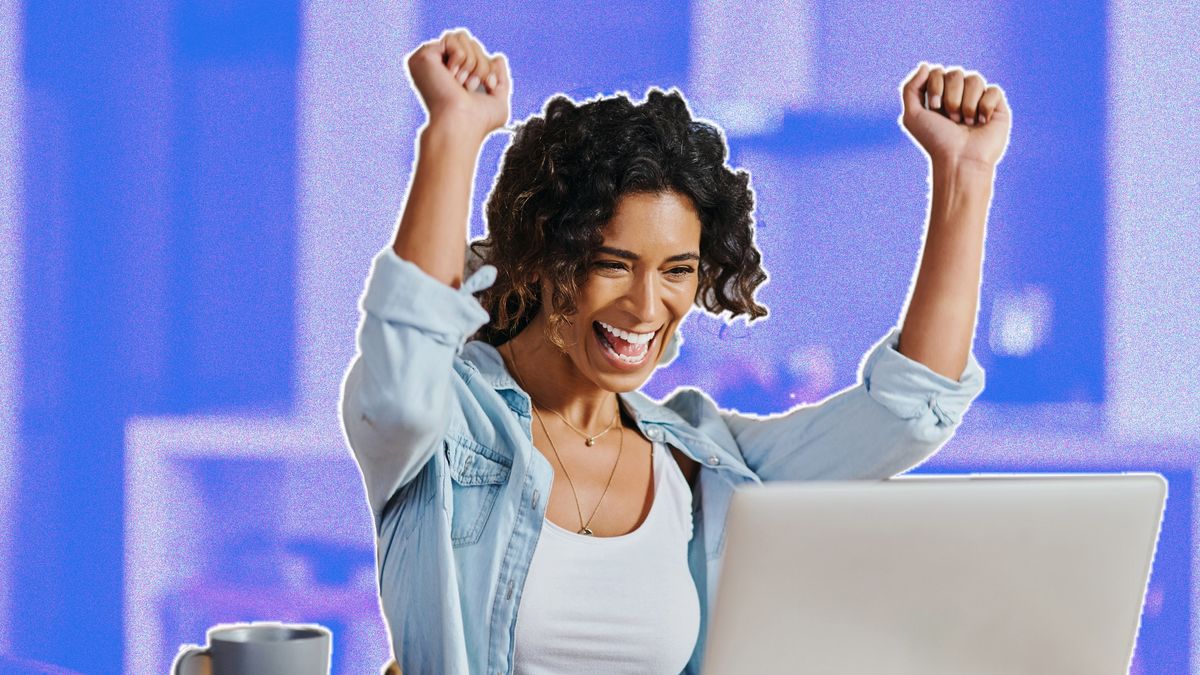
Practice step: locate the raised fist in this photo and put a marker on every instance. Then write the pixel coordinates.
(460, 83)
(956, 117)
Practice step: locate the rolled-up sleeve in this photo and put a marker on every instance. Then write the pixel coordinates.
(898, 414)
(930, 402)
(397, 392)
(400, 292)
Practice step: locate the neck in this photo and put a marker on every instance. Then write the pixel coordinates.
(554, 383)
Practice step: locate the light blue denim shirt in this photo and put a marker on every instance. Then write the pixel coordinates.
(441, 433)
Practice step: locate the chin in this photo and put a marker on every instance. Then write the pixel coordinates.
(623, 384)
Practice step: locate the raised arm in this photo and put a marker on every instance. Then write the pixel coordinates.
(466, 94)
(915, 385)
(417, 311)
(963, 125)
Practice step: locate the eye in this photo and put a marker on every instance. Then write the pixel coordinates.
(678, 272)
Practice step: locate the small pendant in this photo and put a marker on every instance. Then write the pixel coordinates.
(590, 442)
(585, 531)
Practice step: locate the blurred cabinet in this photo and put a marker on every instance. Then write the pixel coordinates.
(236, 519)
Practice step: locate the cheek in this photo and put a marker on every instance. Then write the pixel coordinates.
(681, 302)
(595, 294)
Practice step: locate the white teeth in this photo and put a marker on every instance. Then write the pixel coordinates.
(632, 338)
(627, 359)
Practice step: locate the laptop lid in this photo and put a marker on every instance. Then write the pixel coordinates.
(927, 574)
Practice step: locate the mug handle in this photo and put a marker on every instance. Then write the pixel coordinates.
(190, 653)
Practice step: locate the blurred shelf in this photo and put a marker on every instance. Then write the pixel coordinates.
(284, 603)
(231, 435)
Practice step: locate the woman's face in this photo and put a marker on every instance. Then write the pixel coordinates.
(643, 281)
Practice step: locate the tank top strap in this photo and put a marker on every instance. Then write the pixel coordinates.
(677, 494)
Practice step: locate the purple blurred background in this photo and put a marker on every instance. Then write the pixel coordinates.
(191, 193)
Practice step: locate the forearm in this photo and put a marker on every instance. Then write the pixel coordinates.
(939, 324)
(433, 228)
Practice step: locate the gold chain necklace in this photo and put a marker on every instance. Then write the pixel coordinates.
(589, 440)
(583, 529)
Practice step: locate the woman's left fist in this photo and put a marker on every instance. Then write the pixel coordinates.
(956, 118)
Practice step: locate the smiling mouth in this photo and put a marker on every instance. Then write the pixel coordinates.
(620, 352)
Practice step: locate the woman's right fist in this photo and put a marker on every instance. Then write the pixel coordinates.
(460, 84)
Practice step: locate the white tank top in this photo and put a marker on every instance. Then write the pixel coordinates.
(623, 604)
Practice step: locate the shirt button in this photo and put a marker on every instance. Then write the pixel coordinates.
(714, 460)
(654, 433)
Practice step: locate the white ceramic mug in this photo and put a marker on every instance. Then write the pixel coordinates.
(262, 648)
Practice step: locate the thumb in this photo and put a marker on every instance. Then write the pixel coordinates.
(913, 89)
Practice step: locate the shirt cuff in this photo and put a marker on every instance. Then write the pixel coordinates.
(399, 291)
(912, 391)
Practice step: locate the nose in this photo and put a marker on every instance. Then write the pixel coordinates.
(645, 295)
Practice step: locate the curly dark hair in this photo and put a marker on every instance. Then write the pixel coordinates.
(559, 183)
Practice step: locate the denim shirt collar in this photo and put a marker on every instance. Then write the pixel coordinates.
(490, 365)
(647, 413)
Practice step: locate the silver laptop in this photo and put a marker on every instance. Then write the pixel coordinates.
(975, 574)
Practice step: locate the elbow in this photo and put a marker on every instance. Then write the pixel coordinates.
(401, 418)
(926, 418)
(388, 412)
(922, 441)
(930, 435)
(934, 424)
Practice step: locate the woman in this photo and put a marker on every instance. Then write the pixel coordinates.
(534, 512)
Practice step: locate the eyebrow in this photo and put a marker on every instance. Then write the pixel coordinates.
(630, 255)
